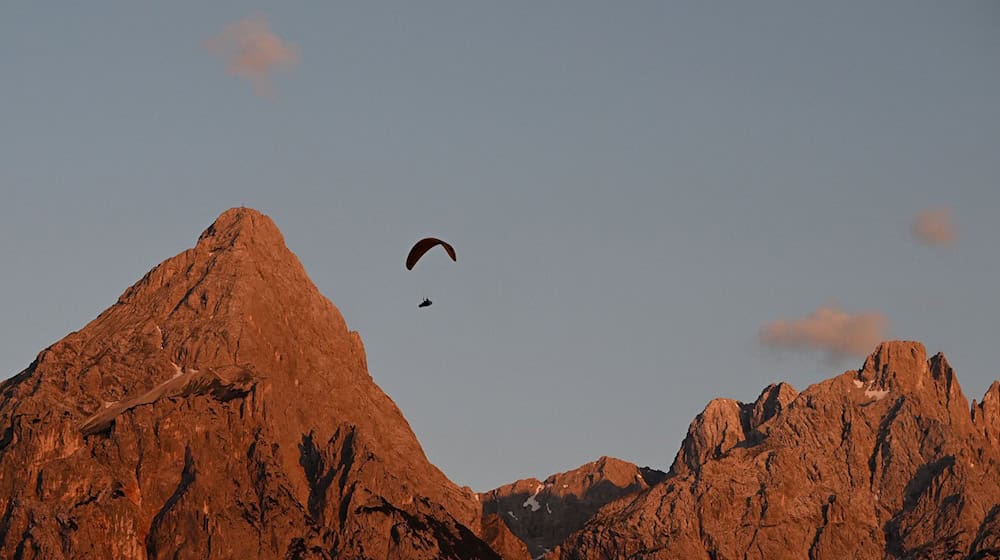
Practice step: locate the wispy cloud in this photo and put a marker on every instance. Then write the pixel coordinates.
(934, 227)
(252, 51)
(829, 329)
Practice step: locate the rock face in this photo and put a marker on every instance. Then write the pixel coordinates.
(882, 462)
(220, 409)
(500, 538)
(544, 513)
(726, 423)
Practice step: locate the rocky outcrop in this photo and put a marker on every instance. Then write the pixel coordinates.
(725, 424)
(498, 535)
(542, 513)
(220, 409)
(986, 414)
(881, 462)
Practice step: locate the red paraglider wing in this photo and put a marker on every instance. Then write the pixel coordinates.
(424, 245)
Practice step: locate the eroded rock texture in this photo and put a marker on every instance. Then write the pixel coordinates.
(220, 409)
(882, 462)
(543, 513)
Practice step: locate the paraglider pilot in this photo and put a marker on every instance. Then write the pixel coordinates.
(418, 250)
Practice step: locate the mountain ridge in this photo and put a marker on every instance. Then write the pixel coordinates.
(542, 513)
(886, 461)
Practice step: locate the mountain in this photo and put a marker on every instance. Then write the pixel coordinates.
(887, 461)
(543, 513)
(220, 408)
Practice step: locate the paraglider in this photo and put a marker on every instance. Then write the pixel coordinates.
(419, 249)
(424, 245)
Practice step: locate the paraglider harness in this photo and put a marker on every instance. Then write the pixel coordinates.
(426, 303)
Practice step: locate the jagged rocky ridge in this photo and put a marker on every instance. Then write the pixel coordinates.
(220, 409)
(542, 513)
(888, 461)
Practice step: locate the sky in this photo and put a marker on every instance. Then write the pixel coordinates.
(653, 204)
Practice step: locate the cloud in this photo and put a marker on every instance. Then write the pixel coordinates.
(829, 329)
(252, 51)
(934, 227)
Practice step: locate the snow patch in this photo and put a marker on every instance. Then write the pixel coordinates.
(511, 513)
(877, 395)
(532, 502)
(869, 392)
(547, 508)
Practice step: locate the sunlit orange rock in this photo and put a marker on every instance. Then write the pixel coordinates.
(220, 409)
(543, 513)
(882, 462)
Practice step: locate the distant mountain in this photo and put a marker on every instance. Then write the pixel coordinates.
(220, 409)
(887, 461)
(543, 513)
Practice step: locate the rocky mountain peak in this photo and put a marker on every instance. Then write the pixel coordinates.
(221, 404)
(986, 414)
(896, 364)
(726, 423)
(901, 368)
(241, 226)
(772, 400)
(992, 396)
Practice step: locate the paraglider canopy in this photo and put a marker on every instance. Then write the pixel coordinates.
(424, 245)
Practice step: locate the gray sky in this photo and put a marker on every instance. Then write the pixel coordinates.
(635, 190)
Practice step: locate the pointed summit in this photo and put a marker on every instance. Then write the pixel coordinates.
(901, 367)
(221, 404)
(894, 358)
(243, 225)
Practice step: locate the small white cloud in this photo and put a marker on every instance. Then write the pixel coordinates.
(934, 227)
(252, 51)
(829, 329)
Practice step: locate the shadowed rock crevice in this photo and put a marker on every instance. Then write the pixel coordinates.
(462, 544)
(923, 478)
(881, 451)
(187, 477)
(987, 542)
(322, 466)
